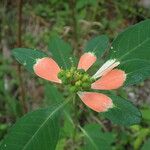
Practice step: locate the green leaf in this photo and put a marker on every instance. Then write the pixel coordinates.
(145, 113)
(61, 51)
(52, 95)
(137, 70)
(146, 145)
(143, 133)
(82, 3)
(27, 57)
(61, 144)
(35, 131)
(95, 139)
(133, 43)
(68, 128)
(97, 45)
(123, 112)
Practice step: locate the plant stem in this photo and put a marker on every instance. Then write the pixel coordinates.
(75, 119)
(19, 44)
(75, 25)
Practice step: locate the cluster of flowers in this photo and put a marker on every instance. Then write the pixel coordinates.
(77, 80)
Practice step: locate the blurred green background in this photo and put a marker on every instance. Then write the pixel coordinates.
(75, 21)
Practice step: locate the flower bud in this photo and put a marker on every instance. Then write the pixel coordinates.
(68, 74)
(72, 89)
(78, 83)
(72, 69)
(60, 74)
(85, 77)
(86, 85)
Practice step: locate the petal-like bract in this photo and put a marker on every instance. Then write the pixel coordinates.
(106, 67)
(86, 61)
(96, 101)
(48, 69)
(112, 80)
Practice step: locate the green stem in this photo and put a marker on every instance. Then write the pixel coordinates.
(75, 119)
(74, 25)
(19, 44)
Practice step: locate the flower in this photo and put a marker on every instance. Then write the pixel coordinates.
(77, 80)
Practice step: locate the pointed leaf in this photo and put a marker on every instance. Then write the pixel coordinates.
(145, 114)
(98, 45)
(133, 43)
(27, 57)
(36, 130)
(61, 51)
(146, 145)
(123, 112)
(137, 70)
(95, 139)
(52, 95)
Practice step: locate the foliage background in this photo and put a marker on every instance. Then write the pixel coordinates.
(76, 22)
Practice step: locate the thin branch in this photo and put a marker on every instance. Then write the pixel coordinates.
(19, 44)
(74, 24)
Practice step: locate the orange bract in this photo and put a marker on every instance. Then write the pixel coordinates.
(48, 69)
(86, 61)
(96, 101)
(112, 80)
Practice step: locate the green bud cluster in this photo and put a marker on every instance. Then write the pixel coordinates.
(75, 79)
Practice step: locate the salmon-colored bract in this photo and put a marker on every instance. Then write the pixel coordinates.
(86, 61)
(96, 101)
(112, 80)
(48, 69)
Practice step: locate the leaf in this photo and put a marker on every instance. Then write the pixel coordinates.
(82, 3)
(52, 95)
(68, 128)
(61, 144)
(61, 51)
(146, 145)
(36, 130)
(133, 43)
(137, 70)
(123, 112)
(27, 57)
(143, 133)
(145, 113)
(97, 45)
(95, 139)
